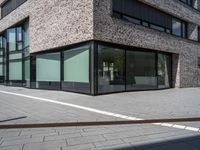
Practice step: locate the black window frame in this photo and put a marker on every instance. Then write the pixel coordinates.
(10, 5)
(167, 29)
(188, 2)
(22, 51)
(198, 62)
(126, 49)
(184, 31)
(198, 33)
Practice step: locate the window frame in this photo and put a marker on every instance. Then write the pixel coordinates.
(188, 2)
(198, 30)
(14, 4)
(119, 14)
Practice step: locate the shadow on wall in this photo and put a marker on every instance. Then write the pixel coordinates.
(187, 143)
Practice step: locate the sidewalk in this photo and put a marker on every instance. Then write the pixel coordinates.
(172, 103)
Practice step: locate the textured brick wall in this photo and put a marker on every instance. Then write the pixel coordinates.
(54, 23)
(107, 28)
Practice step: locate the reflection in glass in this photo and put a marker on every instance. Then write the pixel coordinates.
(176, 27)
(157, 27)
(164, 65)
(1, 57)
(27, 69)
(110, 69)
(19, 33)
(11, 39)
(131, 19)
(1, 69)
(140, 70)
(26, 35)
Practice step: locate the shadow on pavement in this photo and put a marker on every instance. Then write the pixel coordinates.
(188, 143)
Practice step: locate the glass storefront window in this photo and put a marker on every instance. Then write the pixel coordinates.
(27, 70)
(1, 57)
(15, 70)
(110, 69)
(79, 59)
(76, 70)
(140, 70)
(1, 69)
(48, 67)
(15, 66)
(13, 60)
(164, 71)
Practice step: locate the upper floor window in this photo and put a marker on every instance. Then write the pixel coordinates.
(15, 41)
(2, 45)
(179, 28)
(139, 13)
(188, 2)
(9, 6)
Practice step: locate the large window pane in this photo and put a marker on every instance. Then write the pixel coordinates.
(1, 42)
(5, 69)
(19, 33)
(76, 65)
(76, 70)
(15, 56)
(110, 69)
(140, 70)
(176, 27)
(12, 39)
(26, 34)
(27, 69)
(15, 70)
(1, 69)
(48, 67)
(164, 70)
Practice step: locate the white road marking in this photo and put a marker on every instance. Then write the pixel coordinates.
(182, 127)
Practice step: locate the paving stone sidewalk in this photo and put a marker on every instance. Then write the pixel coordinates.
(152, 104)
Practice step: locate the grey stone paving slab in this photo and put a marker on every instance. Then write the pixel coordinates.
(15, 138)
(21, 141)
(15, 147)
(60, 137)
(124, 146)
(10, 134)
(84, 140)
(79, 147)
(108, 143)
(157, 104)
(45, 145)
